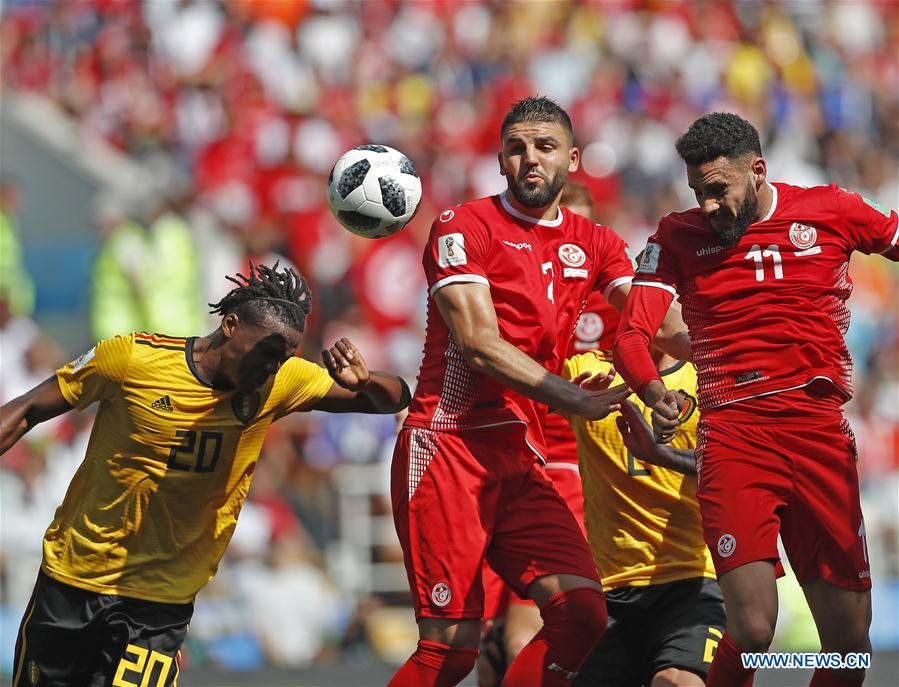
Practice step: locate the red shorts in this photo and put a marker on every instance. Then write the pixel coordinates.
(567, 480)
(795, 478)
(461, 498)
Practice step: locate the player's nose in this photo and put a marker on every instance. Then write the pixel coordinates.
(710, 207)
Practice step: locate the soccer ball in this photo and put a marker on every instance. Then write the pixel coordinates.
(374, 191)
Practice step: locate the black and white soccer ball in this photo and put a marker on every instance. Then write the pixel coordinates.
(374, 191)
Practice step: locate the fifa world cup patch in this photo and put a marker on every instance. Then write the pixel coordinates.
(649, 263)
(451, 250)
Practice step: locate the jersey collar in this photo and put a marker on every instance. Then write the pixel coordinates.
(773, 204)
(525, 218)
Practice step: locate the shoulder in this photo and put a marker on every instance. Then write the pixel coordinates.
(146, 342)
(812, 196)
(692, 219)
(465, 213)
(300, 371)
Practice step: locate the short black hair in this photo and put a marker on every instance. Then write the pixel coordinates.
(268, 292)
(718, 134)
(537, 108)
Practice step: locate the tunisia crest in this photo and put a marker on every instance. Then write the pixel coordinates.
(803, 236)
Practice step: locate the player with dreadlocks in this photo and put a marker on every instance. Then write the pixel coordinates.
(151, 509)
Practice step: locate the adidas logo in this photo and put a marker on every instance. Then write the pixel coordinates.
(163, 404)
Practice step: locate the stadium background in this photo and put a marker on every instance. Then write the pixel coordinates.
(150, 148)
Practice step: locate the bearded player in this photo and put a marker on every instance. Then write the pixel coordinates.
(511, 622)
(150, 511)
(762, 273)
(507, 277)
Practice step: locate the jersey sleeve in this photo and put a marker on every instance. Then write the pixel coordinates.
(615, 264)
(656, 267)
(869, 227)
(456, 251)
(643, 314)
(98, 374)
(302, 384)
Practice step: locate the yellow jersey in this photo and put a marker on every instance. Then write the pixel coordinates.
(642, 521)
(168, 465)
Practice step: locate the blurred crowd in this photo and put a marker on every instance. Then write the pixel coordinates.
(249, 102)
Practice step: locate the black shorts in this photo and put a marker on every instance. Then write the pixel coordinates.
(71, 637)
(673, 625)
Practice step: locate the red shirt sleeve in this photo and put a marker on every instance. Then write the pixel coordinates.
(456, 251)
(615, 266)
(869, 227)
(643, 314)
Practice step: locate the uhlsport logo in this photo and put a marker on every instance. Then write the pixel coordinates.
(447, 215)
(441, 594)
(803, 236)
(727, 544)
(572, 255)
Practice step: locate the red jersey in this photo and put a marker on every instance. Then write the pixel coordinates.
(540, 273)
(595, 328)
(769, 314)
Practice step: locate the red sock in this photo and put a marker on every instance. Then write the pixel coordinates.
(573, 622)
(836, 678)
(727, 668)
(435, 665)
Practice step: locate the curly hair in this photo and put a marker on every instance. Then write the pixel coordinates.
(537, 109)
(268, 292)
(718, 134)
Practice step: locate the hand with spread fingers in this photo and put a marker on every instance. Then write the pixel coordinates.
(601, 399)
(346, 365)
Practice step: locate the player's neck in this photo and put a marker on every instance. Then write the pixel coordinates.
(208, 357)
(547, 212)
(765, 200)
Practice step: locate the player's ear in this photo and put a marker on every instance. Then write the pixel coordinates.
(759, 171)
(499, 157)
(574, 159)
(230, 323)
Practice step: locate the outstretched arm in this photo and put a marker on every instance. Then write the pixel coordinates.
(42, 403)
(358, 389)
(468, 311)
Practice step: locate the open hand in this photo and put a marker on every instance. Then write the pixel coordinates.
(346, 365)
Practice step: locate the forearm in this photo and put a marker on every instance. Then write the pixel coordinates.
(503, 362)
(672, 336)
(43, 402)
(388, 393)
(678, 460)
(13, 424)
(634, 363)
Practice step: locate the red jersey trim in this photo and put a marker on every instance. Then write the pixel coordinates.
(892, 243)
(458, 278)
(773, 204)
(657, 285)
(527, 218)
(614, 284)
